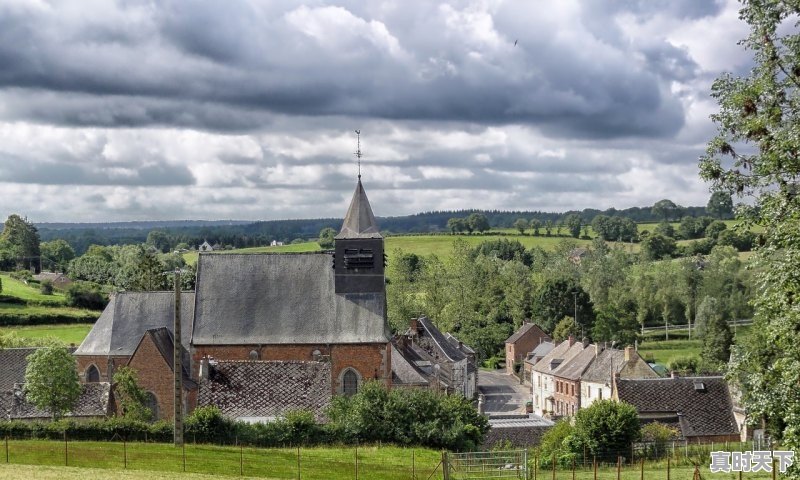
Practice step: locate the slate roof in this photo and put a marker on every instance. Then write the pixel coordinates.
(93, 402)
(600, 370)
(404, 372)
(573, 368)
(447, 348)
(359, 221)
(163, 340)
(455, 341)
(540, 351)
(129, 315)
(700, 413)
(266, 389)
(563, 351)
(12, 366)
(521, 331)
(248, 299)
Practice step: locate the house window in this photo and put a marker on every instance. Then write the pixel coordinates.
(600, 393)
(152, 404)
(92, 374)
(350, 382)
(588, 391)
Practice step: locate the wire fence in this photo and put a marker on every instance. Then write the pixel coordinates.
(684, 461)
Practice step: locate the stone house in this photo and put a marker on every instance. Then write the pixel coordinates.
(700, 408)
(597, 379)
(532, 358)
(567, 379)
(525, 339)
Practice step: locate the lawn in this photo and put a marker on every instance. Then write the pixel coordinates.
(29, 293)
(679, 345)
(33, 334)
(140, 461)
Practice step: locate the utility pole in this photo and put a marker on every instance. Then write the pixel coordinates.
(177, 362)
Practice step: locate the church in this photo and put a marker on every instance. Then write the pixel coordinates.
(261, 333)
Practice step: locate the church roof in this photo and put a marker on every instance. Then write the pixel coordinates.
(286, 298)
(359, 221)
(129, 315)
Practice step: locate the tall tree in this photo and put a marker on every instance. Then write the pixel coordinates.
(478, 221)
(51, 380)
(521, 225)
(573, 223)
(666, 209)
(536, 224)
(22, 239)
(720, 205)
(757, 152)
(57, 254)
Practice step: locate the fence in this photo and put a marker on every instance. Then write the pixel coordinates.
(365, 462)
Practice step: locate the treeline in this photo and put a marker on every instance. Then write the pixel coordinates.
(239, 234)
(603, 293)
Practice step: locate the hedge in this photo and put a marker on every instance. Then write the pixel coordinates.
(13, 318)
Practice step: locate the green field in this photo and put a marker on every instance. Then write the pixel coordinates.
(679, 345)
(42, 459)
(29, 293)
(33, 335)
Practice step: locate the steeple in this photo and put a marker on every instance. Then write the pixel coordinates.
(359, 221)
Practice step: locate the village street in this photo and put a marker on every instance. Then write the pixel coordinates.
(502, 393)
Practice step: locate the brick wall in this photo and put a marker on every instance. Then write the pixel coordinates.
(567, 397)
(515, 352)
(101, 362)
(156, 377)
(370, 360)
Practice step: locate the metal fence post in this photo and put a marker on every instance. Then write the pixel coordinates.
(241, 459)
(594, 464)
(668, 462)
(554, 465)
(183, 448)
(66, 458)
(124, 453)
(619, 466)
(6, 448)
(356, 459)
(641, 477)
(298, 464)
(413, 466)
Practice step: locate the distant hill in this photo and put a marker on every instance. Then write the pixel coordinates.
(241, 233)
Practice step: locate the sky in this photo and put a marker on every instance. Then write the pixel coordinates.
(198, 109)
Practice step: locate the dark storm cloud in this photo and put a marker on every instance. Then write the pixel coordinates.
(229, 66)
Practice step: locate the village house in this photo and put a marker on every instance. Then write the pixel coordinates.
(542, 375)
(205, 247)
(700, 408)
(567, 379)
(597, 379)
(532, 358)
(525, 339)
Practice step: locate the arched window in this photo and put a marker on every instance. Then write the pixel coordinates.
(350, 382)
(152, 404)
(92, 374)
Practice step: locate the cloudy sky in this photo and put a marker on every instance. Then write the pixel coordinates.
(131, 110)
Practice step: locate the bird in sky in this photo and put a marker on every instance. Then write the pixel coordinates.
(515, 42)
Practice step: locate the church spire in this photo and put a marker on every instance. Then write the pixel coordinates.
(359, 221)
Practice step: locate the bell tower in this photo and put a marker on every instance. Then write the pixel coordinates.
(358, 260)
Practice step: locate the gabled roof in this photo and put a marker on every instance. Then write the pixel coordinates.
(521, 331)
(92, 402)
(449, 351)
(163, 340)
(129, 315)
(562, 353)
(12, 366)
(455, 342)
(287, 298)
(600, 371)
(699, 412)
(404, 372)
(573, 368)
(250, 389)
(359, 221)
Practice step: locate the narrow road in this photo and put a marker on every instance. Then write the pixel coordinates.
(502, 393)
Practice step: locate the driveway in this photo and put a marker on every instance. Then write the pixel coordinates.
(502, 394)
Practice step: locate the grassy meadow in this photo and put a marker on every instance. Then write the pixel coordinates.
(19, 300)
(35, 335)
(29, 293)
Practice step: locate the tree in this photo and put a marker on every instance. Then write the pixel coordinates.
(666, 209)
(521, 225)
(456, 225)
(755, 153)
(717, 340)
(326, 238)
(690, 228)
(22, 240)
(666, 229)
(708, 312)
(720, 205)
(715, 228)
(56, 254)
(536, 224)
(565, 328)
(478, 221)
(573, 223)
(556, 299)
(548, 227)
(606, 429)
(159, 240)
(51, 380)
(132, 398)
(657, 247)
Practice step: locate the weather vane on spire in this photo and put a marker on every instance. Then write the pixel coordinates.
(358, 152)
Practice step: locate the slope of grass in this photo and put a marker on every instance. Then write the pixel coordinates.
(29, 293)
(33, 335)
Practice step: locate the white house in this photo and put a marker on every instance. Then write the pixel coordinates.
(542, 383)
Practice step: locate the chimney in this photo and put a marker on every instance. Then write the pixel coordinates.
(460, 345)
(596, 350)
(673, 374)
(204, 368)
(585, 342)
(629, 353)
(571, 340)
(413, 326)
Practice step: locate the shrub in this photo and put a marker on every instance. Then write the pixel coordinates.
(687, 365)
(46, 287)
(22, 275)
(606, 429)
(86, 295)
(554, 444)
(207, 425)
